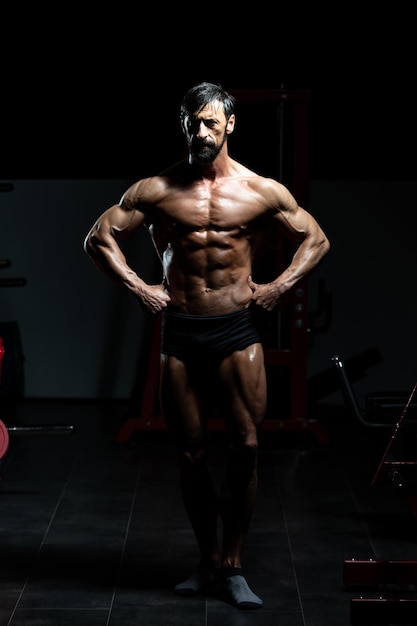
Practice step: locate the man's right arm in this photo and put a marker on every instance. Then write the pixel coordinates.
(102, 246)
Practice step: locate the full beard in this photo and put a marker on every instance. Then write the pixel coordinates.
(204, 152)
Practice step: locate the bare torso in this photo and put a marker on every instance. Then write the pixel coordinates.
(206, 234)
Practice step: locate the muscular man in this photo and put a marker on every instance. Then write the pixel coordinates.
(206, 216)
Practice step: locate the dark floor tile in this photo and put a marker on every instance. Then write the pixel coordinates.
(91, 518)
(27, 510)
(72, 576)
(230, 616)
(17, 555)
(95, 532)
(190, 614)
(39, 465)
(58, 617)
(323, 609)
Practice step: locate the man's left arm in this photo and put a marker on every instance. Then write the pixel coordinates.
(303, 230)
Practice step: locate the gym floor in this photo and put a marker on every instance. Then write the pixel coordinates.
(93, 532)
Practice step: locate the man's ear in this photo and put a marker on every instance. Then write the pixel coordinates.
(184, 124)
(231, 124)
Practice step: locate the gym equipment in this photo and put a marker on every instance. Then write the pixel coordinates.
(350, 397)
(4, 434)
(383, 611)
(6, 431)
(403, 440)
(398, 608)
(388, 460)
(10, 282)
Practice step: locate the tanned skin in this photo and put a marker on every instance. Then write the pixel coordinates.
(206, 216)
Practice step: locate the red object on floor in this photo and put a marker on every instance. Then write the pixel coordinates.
(384, 611)
(4, 435)
(370, 572)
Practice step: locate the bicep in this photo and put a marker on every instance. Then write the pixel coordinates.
(290, 219)
(296, 223)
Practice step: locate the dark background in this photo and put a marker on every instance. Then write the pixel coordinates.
(90, 103)
(97, 95)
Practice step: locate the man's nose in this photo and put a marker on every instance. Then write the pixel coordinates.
(202, 130)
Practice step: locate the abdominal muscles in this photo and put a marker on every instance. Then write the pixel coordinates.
(208, 274)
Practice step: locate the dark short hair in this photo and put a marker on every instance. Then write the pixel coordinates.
(202, 94)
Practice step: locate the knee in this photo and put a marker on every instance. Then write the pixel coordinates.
(246, 440)
(192, 461)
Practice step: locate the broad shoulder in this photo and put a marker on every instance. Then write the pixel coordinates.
(274, 193)
(269, 188)
(180, 179)
(148, 191)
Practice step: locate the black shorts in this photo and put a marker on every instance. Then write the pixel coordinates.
(215, 336)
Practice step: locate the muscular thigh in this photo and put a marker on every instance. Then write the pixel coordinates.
(180, 400)
(244, 382)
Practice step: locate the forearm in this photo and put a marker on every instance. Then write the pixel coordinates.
(109, 259)
(304, 261)
(306, 258)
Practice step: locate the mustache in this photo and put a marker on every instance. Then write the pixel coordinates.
(198, 143)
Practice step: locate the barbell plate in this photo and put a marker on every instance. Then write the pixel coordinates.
(4, 439)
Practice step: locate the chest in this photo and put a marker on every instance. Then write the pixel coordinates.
(211, 207)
